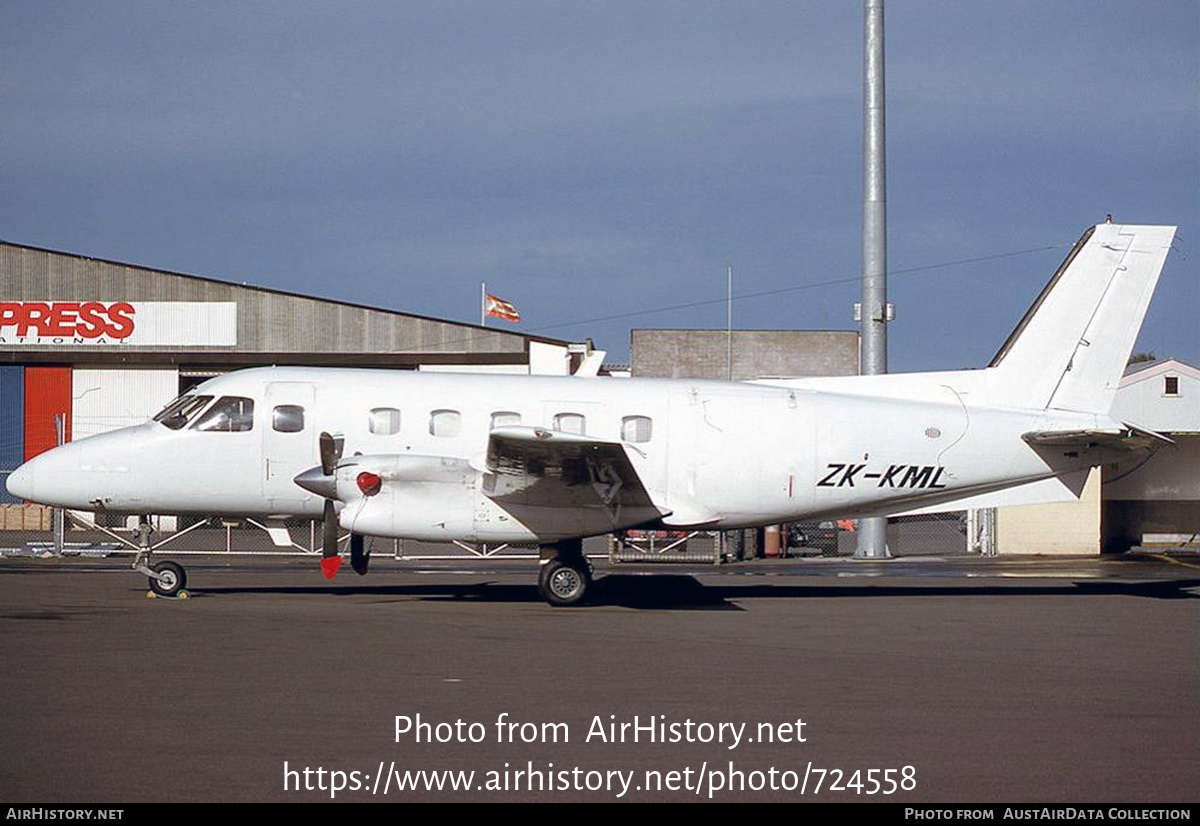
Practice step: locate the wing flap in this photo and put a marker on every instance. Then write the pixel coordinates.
(537, 467)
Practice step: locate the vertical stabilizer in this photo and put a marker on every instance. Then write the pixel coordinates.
(1070, 349)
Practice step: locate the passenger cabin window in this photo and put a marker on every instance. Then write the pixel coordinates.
(505, 418)
(229, 414)
(288, 418)
(636, 429)
(178, 413)
(385, 421)
(570, 423)
(445, 423)
(1170, 385)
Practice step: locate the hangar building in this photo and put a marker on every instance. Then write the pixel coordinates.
(103, 344)
(743, 354)
(1155, 500)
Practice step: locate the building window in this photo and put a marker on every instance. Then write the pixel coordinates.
(385, 421)
(445, 423)
(636, 429)
(505, 418)
(570, 423)
(1171, 385)
(230, 414)
(287, 418)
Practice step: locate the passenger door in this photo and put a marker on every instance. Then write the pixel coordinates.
(289, 443)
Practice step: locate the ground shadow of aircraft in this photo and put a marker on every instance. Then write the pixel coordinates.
(674, 592)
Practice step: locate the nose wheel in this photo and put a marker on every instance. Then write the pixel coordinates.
(168, 579)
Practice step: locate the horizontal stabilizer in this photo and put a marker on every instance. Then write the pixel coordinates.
(1129, 439)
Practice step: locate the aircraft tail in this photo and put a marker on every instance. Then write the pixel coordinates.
(1070, 349)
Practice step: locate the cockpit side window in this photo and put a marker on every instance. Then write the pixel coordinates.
(230, 414)
(178, 413)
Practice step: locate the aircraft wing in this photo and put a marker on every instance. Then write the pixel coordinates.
(542, 468)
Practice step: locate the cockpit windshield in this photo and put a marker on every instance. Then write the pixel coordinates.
(178, 413)
(230, 414)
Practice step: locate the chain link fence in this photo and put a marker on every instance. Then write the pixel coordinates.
(28, 530)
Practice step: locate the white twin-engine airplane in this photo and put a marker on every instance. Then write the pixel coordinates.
(550, 460)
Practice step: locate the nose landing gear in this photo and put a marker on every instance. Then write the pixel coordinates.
(169, 580)
(166, 579)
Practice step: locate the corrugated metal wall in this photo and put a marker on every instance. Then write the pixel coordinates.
(105, 399)
(268, 321)
(12, 424)
(47, 393)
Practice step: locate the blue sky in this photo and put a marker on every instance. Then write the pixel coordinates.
(593, 162)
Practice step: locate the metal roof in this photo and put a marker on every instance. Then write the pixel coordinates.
(273, 326)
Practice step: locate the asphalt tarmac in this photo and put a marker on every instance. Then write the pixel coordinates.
(917, 680)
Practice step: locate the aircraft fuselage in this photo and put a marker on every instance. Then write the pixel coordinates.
(713, 454)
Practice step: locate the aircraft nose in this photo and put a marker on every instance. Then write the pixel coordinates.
(20, 482)
(49, 478)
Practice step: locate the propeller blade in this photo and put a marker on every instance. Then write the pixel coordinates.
(360, 556)
(330, 560)
(331, 451)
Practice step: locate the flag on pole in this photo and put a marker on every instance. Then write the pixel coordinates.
(499, 308)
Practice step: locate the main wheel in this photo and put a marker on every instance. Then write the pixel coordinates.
(562, 583)
(170, 581)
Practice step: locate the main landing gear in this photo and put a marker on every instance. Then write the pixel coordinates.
(565, 573)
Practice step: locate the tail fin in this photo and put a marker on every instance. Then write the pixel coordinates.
(1070, 349)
